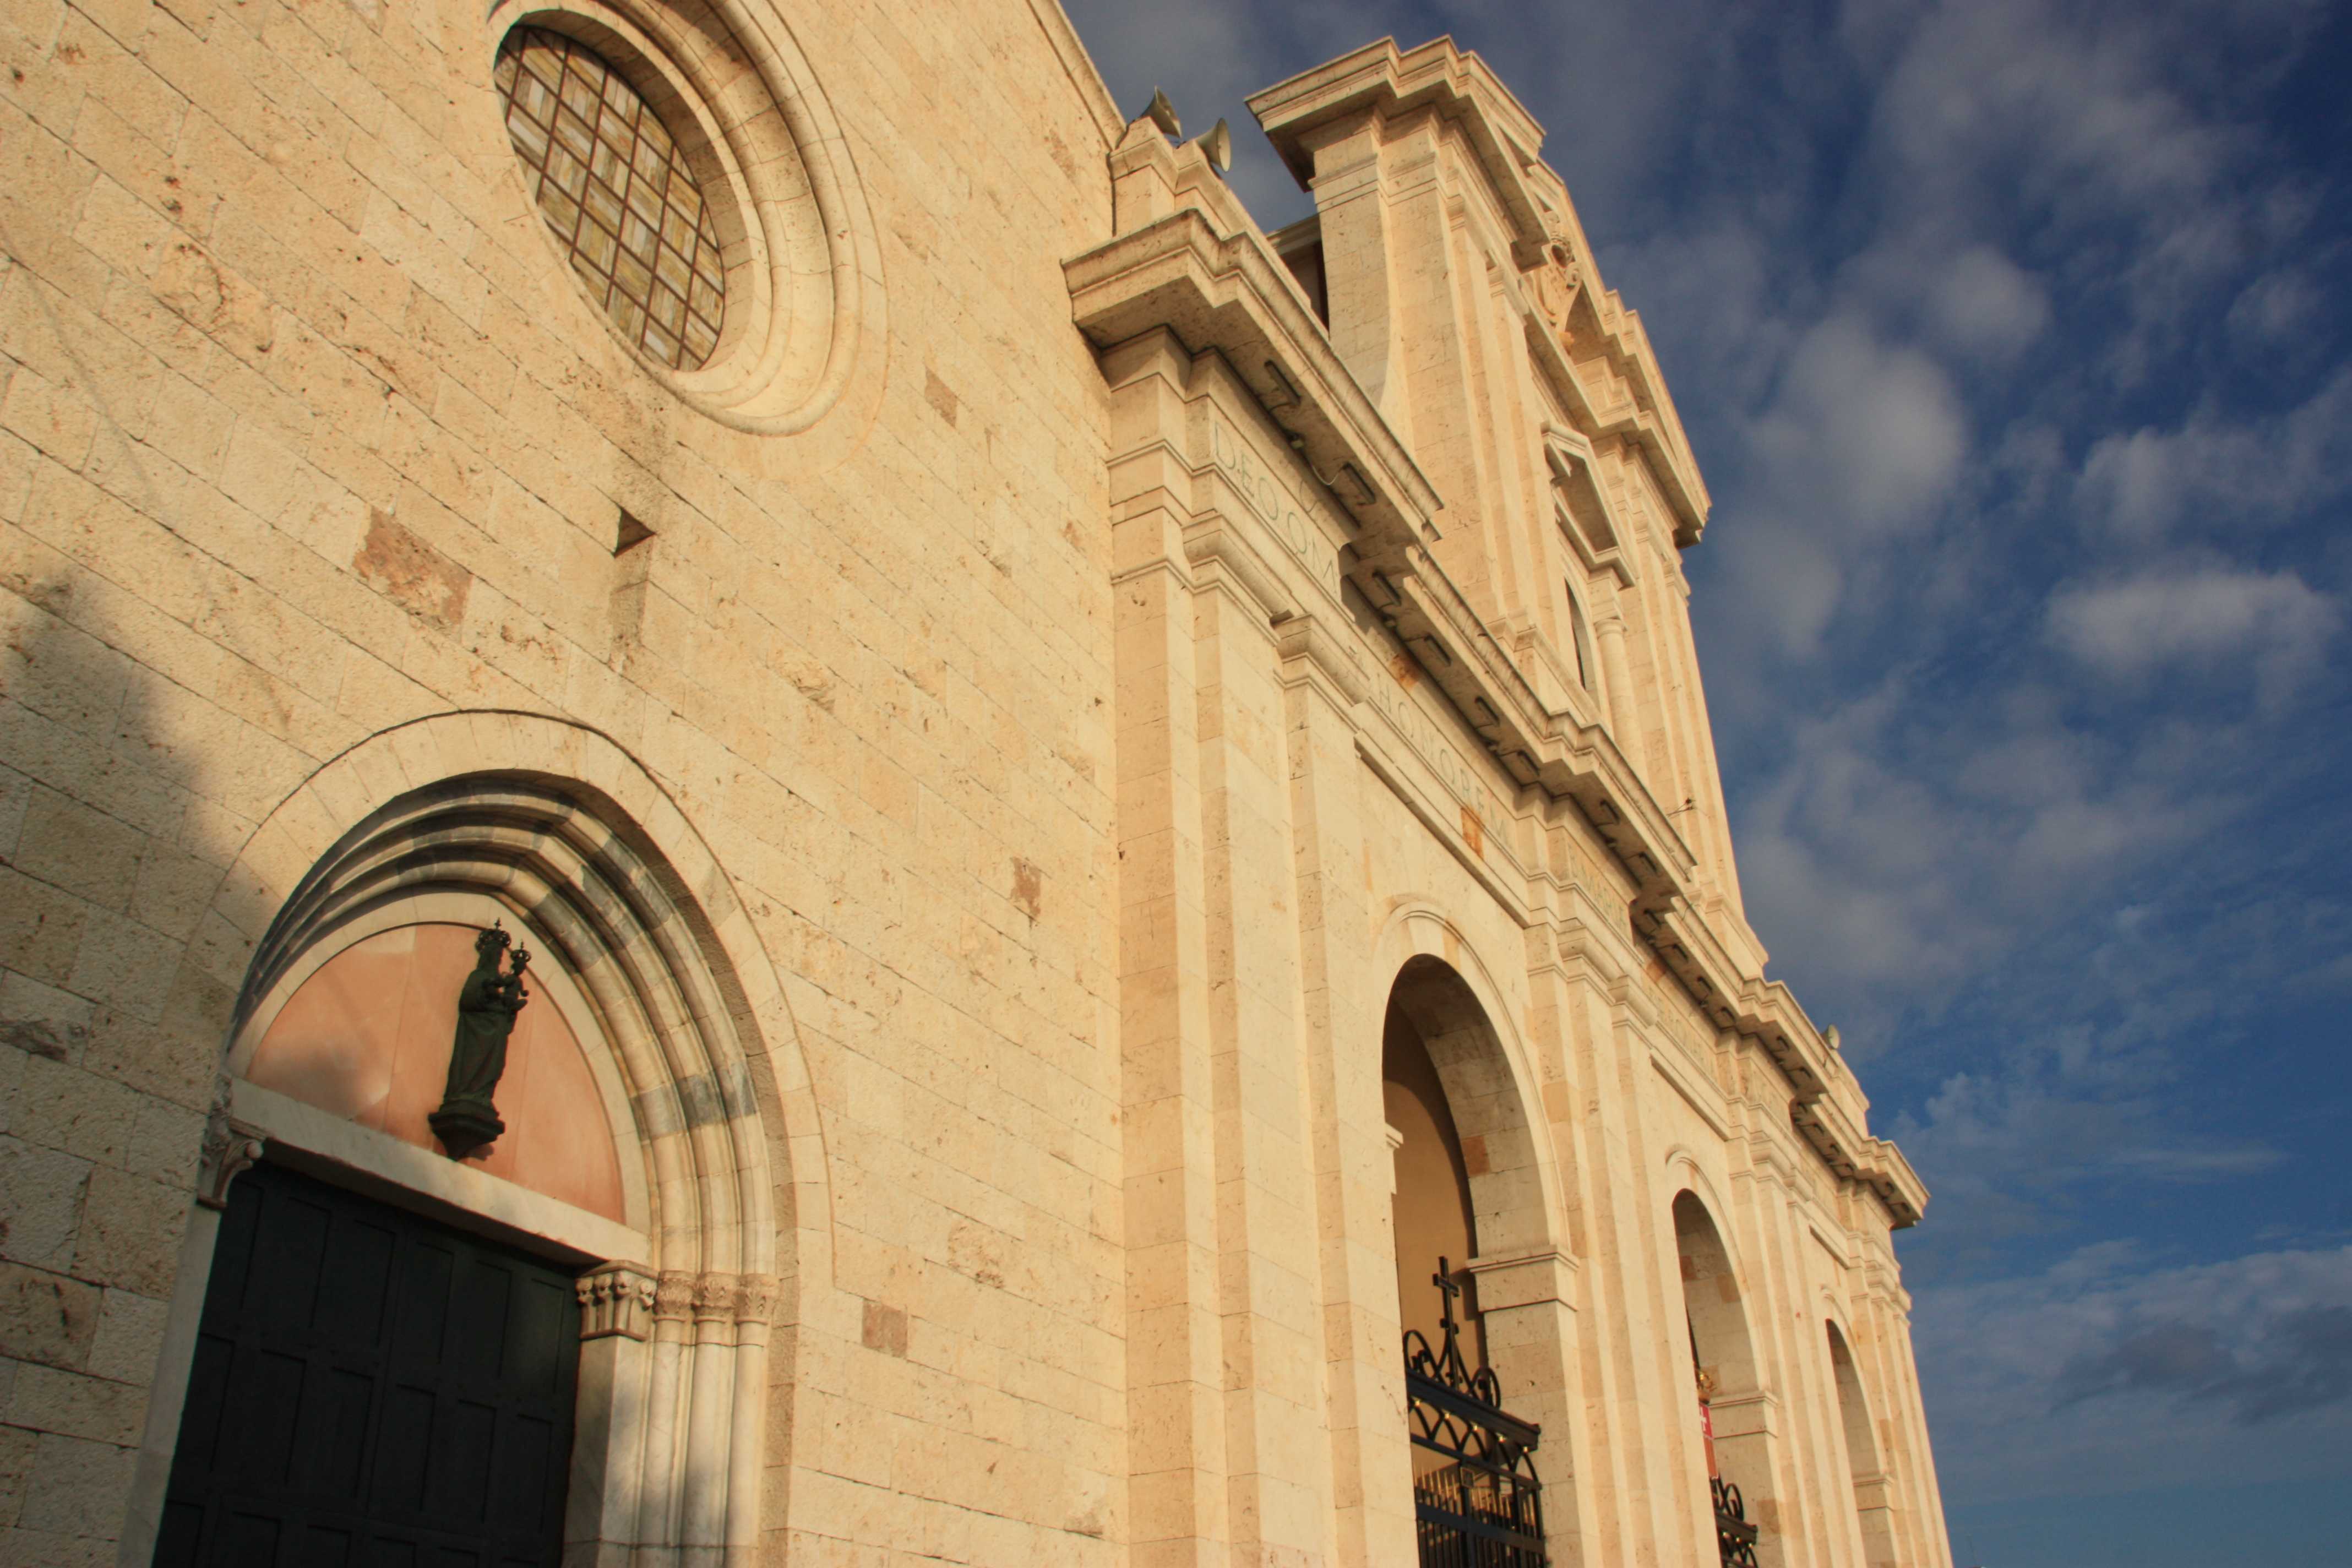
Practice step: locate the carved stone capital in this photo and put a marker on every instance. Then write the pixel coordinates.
(230, 1146)
(758, 1299)
(716, 1296)
(1545, 1276)
(673, 1295)
(616, 1299)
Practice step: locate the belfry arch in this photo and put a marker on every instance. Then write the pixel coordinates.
(696, 1262)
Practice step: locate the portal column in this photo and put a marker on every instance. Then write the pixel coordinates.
(1644, 1425)
(608, 1449)
(1529, 1307)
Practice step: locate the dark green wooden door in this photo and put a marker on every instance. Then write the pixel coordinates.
(371, 1390)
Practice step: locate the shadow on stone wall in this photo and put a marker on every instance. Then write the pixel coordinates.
(107, 861)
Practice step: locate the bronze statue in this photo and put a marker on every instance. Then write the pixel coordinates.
(487, 1006)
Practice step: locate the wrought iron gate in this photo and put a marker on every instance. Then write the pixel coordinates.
(1734, 1538)
(1476, 1501)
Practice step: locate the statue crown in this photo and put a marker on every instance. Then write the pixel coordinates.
(494, 940)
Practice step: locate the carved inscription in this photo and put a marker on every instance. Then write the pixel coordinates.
(1289, 521)
(1286, 517)
(1395, 701)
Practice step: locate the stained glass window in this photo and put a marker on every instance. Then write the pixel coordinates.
(616, 191)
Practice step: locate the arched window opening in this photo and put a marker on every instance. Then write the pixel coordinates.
(1431, 1206)
(1873, 1497)
(1579, 636)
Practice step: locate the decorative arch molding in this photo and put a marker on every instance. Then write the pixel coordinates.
(626, 934)
(1867, 1460)
(1418, 935)
(557, 825)
(1712, 1291)
(1685, 1172)
(1833, 1312)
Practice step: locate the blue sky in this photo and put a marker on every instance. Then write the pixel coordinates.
(2015, 341)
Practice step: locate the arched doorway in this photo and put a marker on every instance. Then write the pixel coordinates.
(1871, 1500)
(1433, 1212)
(1464, 1180)
(635, 1168)
(1727, 1392)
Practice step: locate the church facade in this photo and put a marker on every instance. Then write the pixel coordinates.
(765, 802)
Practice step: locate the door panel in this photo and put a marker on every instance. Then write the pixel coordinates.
(371, 1390)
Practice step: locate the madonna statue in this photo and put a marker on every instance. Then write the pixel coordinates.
(487, 1006)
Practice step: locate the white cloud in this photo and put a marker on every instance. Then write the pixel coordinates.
(2208, 621)
(2216, 477)
(1911, 836)
(2275, 306)
(2117, 140)
(1985, 306)
(1790, 584)
(2103, 1373)
(1871, 432)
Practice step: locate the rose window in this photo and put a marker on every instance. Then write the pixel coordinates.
(617, 194)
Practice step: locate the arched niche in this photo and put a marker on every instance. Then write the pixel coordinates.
(1724, 1369)
(1872, 1499)
(691, 1077)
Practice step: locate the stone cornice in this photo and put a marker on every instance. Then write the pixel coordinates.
(1232, 295)
(1460, 87)
(1656, 430)
(1829, 1106)
(1226, 292)
(1380, 80)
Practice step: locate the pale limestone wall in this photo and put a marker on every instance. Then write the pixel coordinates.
(1640, 1096)
(1070, 737)
(1625, 1063)
(307, 434)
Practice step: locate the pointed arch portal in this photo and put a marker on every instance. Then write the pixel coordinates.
(659, 1202)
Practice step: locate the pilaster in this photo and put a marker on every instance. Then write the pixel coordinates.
(1175, 1415)
(1269, 1289)
(1354, 1164)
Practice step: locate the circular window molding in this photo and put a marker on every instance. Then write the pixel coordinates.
(802, 324)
